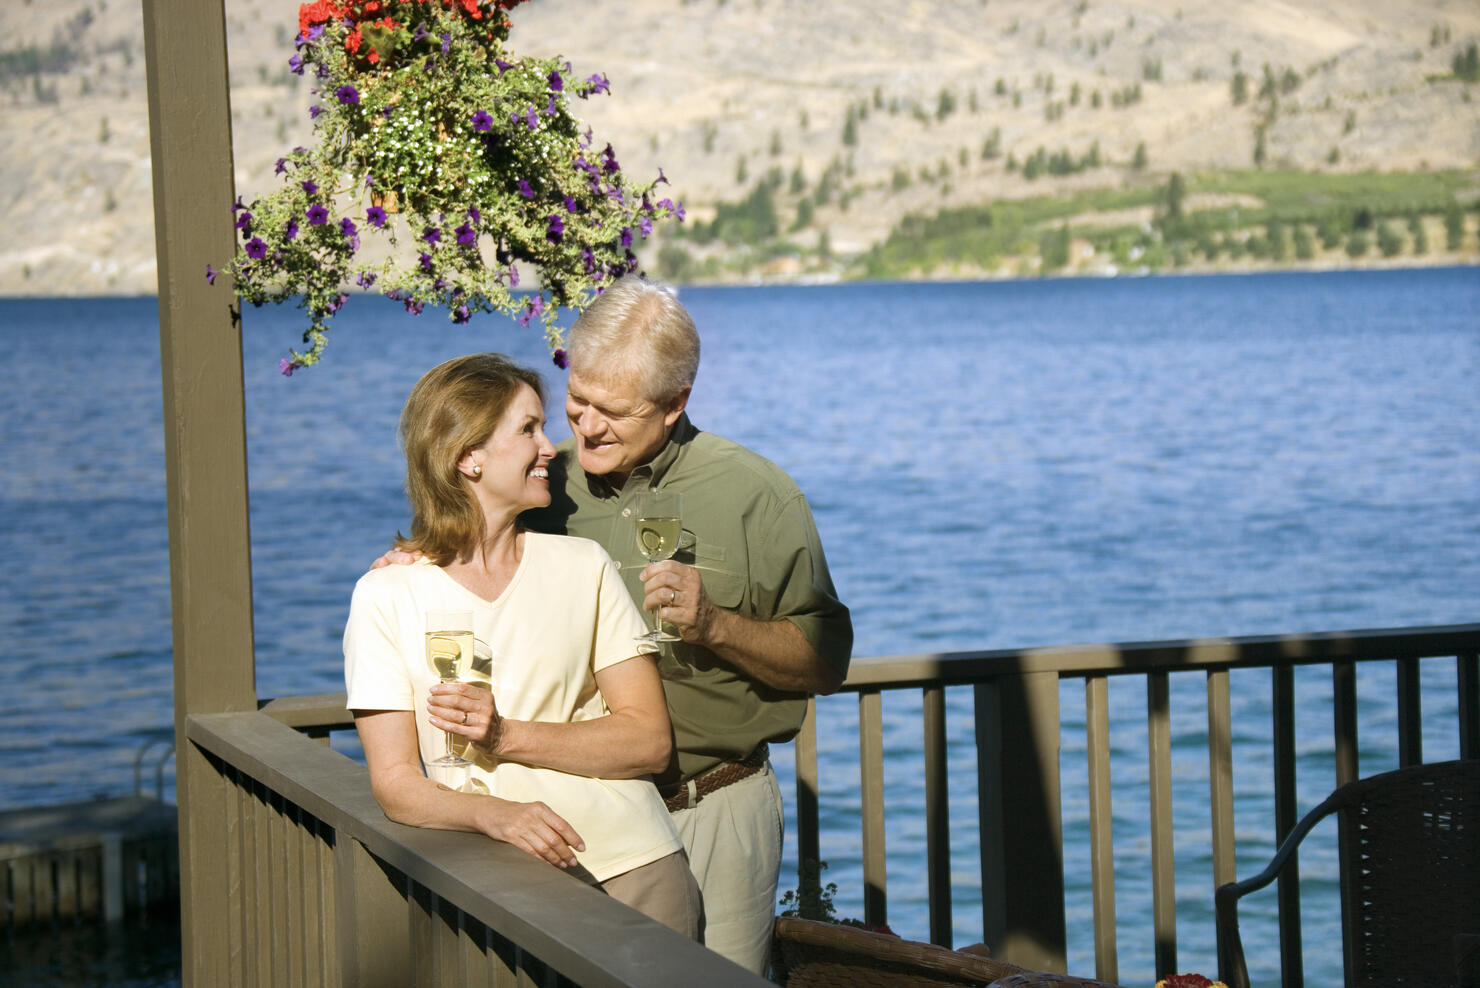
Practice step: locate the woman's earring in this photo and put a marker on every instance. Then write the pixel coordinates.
(477, 471)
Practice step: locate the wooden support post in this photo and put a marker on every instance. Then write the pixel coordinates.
(205, 438)
(1017, 740)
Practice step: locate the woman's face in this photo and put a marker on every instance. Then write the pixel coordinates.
(516, 457)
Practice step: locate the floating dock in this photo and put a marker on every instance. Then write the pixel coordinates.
(102, 858)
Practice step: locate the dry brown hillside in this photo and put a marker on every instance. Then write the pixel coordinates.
(711, 89)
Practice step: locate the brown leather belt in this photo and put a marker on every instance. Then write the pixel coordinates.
(687, 794)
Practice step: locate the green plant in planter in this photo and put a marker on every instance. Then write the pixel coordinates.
(463, 157)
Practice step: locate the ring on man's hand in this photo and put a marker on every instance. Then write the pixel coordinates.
(465, 718)
(672, 595)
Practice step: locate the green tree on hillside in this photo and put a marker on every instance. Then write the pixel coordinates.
(1467, 64)
(1389, 241)
(1240, 88)
(1140, 160)
(1454, 227)
(850, 128)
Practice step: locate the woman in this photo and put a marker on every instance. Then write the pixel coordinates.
(567, 676)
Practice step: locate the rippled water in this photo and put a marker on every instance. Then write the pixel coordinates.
(991, 465)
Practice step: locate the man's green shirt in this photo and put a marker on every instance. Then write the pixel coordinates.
(749, 533)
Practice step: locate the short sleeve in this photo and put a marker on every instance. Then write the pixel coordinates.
(618, 621)
(374, 669)
(796, 570)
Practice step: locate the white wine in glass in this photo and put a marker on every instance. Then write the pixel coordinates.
(450, 654)
(659, 525)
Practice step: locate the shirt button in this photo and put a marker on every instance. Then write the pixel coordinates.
(626, 512)
(617, 563)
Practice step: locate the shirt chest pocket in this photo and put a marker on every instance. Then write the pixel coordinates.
(716, 568)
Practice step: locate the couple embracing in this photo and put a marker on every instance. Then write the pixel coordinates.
(643, 772)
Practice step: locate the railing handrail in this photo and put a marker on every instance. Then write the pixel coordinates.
(327, 710)
(1172, 655)
(588, 937)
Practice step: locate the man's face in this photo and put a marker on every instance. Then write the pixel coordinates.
(616, 429)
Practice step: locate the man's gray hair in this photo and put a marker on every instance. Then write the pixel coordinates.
(636, 332)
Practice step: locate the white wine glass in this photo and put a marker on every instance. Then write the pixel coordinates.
(450, 654)
(659, 525)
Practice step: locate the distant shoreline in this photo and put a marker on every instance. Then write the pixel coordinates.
(1465, 260)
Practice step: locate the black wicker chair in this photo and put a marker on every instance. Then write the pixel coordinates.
(1409, 845)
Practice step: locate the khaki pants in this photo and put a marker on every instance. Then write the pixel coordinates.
(733, 838)
(664, 890)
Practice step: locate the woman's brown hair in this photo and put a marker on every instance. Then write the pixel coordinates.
(453, 408)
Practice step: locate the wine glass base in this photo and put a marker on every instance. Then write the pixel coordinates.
(452, 774)
(656, 636)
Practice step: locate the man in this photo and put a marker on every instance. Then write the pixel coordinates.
(748, 592)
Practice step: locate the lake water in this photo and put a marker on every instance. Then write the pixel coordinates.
(992, 465)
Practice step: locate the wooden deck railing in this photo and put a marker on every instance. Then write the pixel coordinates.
(307, 883)
(472, 916)
(1018, 725)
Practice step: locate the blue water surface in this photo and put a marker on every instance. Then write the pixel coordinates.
(992, 465)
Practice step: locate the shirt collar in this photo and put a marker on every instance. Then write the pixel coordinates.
(651, 473)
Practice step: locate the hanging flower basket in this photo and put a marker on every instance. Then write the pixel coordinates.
(463, 157)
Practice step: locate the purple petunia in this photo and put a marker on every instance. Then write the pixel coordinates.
(646, 226)
(256, 248)
(376, 216)
(431, 235)
(557, 84)
(446, 42)
(460, 314)
(244, 221)
(626, 236)
(570, 205)
(309, 186)
(290, 229)
(365, 279)
(474, 214)
(466, 235)
(426, 262)
(211, 275)
(317, 214)
(503, 66)
(609, 161)
(286, 367)
(560, 358)
(531, 119)
(482, 120)
(588, 260)
(598, 84)
(282, 166)
(348, 95)
(413, 306)
(347, 227)
(338, 303)
(525, 190)
(532, 308)
(555, 229)
(295, 64)
(513, 276)
(314, 111)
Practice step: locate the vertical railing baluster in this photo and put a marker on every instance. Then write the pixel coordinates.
(1286, 815)
(1159, 755)
(1410, 714)
(937, 816)
(1220, 776)
(805, 752)
(236, 867)
(871, 768)
(1101, 824)
(295, 948)
(278, 884)
(1344, 720)
(1467, 675)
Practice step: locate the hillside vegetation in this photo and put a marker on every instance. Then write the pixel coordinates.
(825, 140)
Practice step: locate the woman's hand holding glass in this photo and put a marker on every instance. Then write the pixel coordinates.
(467, 710)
